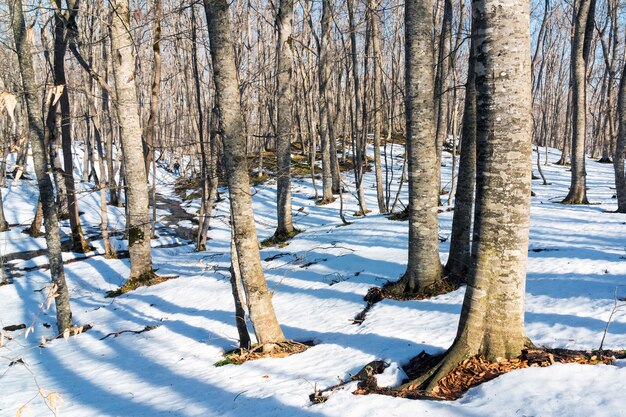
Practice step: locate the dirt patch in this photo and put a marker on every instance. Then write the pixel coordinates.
(177, 215)
(477, 369)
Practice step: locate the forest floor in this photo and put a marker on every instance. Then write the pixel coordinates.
(151, 352)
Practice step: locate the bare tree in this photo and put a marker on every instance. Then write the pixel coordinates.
(284, 127)
(492, 319)
(459, 258)
(580, 49)
(618, 160)
(46, 194)
(138, 219)
(259, 298)
(424, 266)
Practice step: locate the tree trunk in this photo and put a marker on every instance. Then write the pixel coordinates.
(441, 96)
(459, 258)
(359, 135)
(492, 318)
(259, 298)
(377, 91)
(4, 225)
(79, 244)
(137, 198)
(238, 296)
(53, 241)
(424, 266)
(284, 128)
(324, 118)
(620, 147)
(581, 41)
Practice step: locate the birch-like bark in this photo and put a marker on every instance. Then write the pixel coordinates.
(258, 296)
(46, 194)
(284, 127)
(137, 198)
(492, 318)
(324, 118)
(424, 266)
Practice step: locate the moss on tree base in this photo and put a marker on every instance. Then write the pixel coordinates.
(280, 238)
(145, 280)
(398, 290)
(273, 350)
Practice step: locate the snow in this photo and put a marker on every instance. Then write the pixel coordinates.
(318, 280)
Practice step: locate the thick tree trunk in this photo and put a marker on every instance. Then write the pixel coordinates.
(259, 298)
(492, 318)
(424, 266)
(284, 128)
(137, 198)
(580, 49)
(53, 241)
(459, 258)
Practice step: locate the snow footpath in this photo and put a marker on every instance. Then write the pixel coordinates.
(318, 280)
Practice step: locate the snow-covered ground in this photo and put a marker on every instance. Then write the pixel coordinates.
(319, 280)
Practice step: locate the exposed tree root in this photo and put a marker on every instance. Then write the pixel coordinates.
(324, 201)
(449, 377)
(280, 238)
(260, 351)
(400, 290)
(400, 215)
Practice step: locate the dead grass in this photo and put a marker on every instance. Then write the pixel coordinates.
(278, 350)
(477, 369)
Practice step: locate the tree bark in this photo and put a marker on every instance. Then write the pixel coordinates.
(580, 49)
(138, 220)
(259, 298)
(46, 195)
(4, 225)
(620, 147)
(492, 318)
(459, 258)
(284, 128)
(324, 118)
(62, 23)
(377, 91)
(424, 266)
